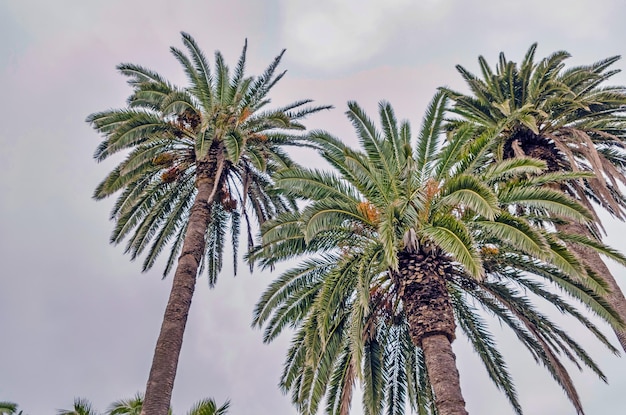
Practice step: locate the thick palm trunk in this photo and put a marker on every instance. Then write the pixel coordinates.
(165, 361)
(540, 148)
(614, 297)
(422, 282)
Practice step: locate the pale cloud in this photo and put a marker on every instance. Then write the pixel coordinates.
(336, 34)
(580, 19)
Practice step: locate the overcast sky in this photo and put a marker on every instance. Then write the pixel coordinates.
(77, 318)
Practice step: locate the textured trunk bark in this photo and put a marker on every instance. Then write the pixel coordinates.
(443, 375)
(422, 283)
(615, 297)
(165, 361)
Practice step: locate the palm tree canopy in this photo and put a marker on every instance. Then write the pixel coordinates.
(8, 408)
(134, 405)
(130, 406)
(222, 118)
(566, 116)
(394, 197)
(209, 407)
(81, 407)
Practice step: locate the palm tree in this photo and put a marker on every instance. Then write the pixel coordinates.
(569, 119)
(405, 240)
(209, 407)
(130, 406)
(200, 159)
(134, 405)
(9, 408)
(81, 407)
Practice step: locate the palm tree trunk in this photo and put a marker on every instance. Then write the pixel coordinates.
(422, 287)
(443, 375)
(614, 297)
(165, 361)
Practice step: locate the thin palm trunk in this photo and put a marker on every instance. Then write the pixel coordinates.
(422, 282)
(165, 361)
(614, 297)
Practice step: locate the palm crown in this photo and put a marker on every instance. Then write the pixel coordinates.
(411, 236)
(563, 116)
(133, 406)
(9, 408)
(219, 127)
(81, 407)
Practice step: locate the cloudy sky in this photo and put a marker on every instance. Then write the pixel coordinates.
(77, 318)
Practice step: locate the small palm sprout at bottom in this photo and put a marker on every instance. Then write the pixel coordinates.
(134, 405)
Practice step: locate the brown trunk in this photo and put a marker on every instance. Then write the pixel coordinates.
(443, 375)
(614, 297)
(163, 371)
(422, 287)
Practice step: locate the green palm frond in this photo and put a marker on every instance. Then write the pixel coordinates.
(450, 154)
(454, 238)
(516, 167)
(209, 407)
(375, 147)
(130, 406)
(470, 192)
(202, 81)
(428, 141)
(140, 75)
(8, 408)
(541, 197)
(515, 232)
(373, 378)
(395, 366)
(595, 245)
(341, 384)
